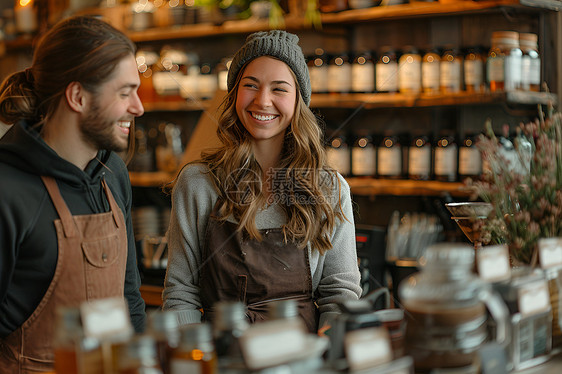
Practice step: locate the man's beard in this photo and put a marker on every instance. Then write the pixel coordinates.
(99, 131)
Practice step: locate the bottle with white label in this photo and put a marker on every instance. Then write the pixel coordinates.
(338, 155)
(318, 70)
(409, 71)
(168, 74)
(363, 73)
(339, 74)
(386, 71)
(431, 71)
(451, 71)
(504, 62)
(419, 157)
(389, 157)
(363, 156)
(474, 62)
(196, 352)
(470, 158)
(445, 157)
(531, 62)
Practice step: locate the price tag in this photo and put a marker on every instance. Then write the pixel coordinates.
(366, 348)
(550, 252)
(493, 263)
(533, 298)
(273, 343)
(105, 318)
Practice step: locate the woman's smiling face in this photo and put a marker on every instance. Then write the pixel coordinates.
(266, 98)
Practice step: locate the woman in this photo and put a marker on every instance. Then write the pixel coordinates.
(263, 217)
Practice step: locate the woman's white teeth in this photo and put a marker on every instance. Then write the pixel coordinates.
(262, 118)
(124, 124)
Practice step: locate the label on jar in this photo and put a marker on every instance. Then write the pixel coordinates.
(430, 75)
(390, 161)
(167, 82)
(367, 348)
(339, 159)
(473, 72)
(364, 160)
(409, 74)
(530, 71)
(451, 75)
(387, 77)
(178, 366)
(419, 160)
(446, 160)
(339, 78)
(495, 69)
(493, 263)
(550, 252)
(363, 77)
(534, 298)
(512, 72)
(319, 78)
(470, 161)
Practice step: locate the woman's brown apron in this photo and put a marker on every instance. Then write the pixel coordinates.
(92, 256)
(236, 268)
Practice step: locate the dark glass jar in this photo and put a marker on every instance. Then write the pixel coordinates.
(419, 157)
(363, 156)
(474, 63)
(389, 157)
(363, 73)
(470, 158)
(386, 71)
(431, 62)
(196, 351)
(445, 157)
(451, 71)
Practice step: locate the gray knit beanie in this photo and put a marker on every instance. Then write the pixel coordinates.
(275, 43)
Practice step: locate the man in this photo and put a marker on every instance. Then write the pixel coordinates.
(65, 196)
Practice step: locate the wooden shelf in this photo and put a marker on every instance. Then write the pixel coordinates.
(373, 187)
(176, 106)
(150, 179)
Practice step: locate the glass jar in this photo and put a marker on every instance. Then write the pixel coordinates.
(474, 61)
(445, 157)
(222, 73)
(339, 74)
(207, 83)
(68, 334)
(386, 71)
(196, 352)
(168, 75)
(146, 59)
(504, 62)
(445, 306)
(318, 70)
(363, 156)
(338, 155)
(164, 326)
(431, 72)
(470, 158)
(138, 356)
(283, 309)
(363, 73)
(419, 157)
(531, 62)
(389, 157)
(409, 71)
(451, 71)
(229, 324)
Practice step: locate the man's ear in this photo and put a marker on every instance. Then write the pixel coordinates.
(75, 96)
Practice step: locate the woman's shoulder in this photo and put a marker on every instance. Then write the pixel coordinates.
(194, 176)
(334, 183)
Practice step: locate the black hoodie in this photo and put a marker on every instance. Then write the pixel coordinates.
(28, 242)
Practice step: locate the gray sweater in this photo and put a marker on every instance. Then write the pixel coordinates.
(335, 275)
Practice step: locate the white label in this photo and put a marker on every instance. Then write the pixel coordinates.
(493, 263)
(495, 69)
(363, 77)
(536, 71)
(550, 252)
(319, 78)
(339, 78)
(223, 80)
(105, 318)
(473, 72)
(534, 298)
(409, 74)
(430, 75)
(451, 75)
(419, 160)
(167, 83)
(446, 160)
(179, 366)
(364, 160)
(512, 72)
(339, 159)
(390, 161)
(470, 161)
(366, 348)
(387, 77)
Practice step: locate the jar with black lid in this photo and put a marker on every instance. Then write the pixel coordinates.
(409, 71)
(386, 71)
(339, 74)
(318, 70)
(389, 156)
(363, 73)
(474, 62)
(445, 156)
(470, 158)
(431, 69)
(451, 70)
(363, 155)
(338, 154)
(419, 156)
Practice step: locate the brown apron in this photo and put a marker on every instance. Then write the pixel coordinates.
(236, 268)
(92, 256)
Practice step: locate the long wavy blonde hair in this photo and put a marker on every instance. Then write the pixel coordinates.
(302, 182)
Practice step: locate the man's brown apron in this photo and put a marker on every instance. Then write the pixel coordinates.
(254, 272)
(92, 256)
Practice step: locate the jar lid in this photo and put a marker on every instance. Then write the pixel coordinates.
(447, 255)
(507, 38)
(528, 40)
